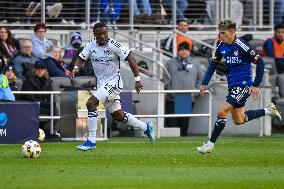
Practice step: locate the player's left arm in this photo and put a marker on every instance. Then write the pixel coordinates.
(132, 63)
(126, 54)
(256, 59)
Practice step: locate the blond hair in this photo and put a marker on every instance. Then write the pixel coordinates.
(227, 23)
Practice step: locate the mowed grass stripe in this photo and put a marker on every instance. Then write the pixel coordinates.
(237, 162)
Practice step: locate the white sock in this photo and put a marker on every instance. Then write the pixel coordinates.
(134, 122)
(209, 143)
(92, 125)
(266, 110)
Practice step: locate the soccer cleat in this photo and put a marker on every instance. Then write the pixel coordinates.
(87, 145)
(149, 132)
(273, 112)
(205, 148)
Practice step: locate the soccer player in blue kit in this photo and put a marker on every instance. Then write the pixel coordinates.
(238, 58)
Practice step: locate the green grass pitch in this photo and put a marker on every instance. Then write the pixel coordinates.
(236, 162)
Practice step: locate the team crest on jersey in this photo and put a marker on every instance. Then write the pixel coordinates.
(236, 52)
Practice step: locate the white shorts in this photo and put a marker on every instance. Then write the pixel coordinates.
(108, 94)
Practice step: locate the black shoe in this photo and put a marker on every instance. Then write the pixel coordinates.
(52, 138)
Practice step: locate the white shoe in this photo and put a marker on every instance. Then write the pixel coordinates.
(83, 25)
(71, 22)
(205, 148)
(273, 112)
(58, 7)
(50, 11)
(63, 21)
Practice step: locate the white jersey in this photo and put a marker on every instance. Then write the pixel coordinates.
(105, 59)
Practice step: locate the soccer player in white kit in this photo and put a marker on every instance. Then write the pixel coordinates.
(105, 54)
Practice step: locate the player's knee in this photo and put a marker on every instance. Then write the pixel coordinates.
(222, 114)
(239, 122)
(119, 115)
(92, 103)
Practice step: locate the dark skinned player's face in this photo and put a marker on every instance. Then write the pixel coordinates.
(101, 34)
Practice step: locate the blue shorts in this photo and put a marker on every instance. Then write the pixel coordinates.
(238, 95)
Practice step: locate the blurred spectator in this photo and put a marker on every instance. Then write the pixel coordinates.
(5, 91)
(181, 6)
(111, 10)
(186, 74)
(8, 45)
(196, 12)
(24, 60)
(146, 12)
(145, 7)
(274, 47)
(237, 11)
(9, 72)
(52, 10)
(278, 11)
(40, 42)
(71, 49)
(182, 26)
(32, 8)
(55, 65)
(40, 81)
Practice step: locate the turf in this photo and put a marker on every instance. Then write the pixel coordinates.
(237, 162)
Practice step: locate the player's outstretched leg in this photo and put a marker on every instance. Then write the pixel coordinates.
(272, 111)
(149, 132)
(130, 120)
(218, 128)
(90, 143)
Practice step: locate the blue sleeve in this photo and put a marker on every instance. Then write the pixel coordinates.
(212, 66)
(255, 58)
(268, 48)
(259, 72)
(210, 71)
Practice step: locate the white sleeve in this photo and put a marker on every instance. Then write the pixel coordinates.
(86, 52)
(119, 49)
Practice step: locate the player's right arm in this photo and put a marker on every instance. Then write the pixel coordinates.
(84, 55)
(210, 70)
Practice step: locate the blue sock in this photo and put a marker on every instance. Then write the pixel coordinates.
(218, 128)
(254, 114)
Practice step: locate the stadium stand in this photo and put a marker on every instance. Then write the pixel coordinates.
(139, 34)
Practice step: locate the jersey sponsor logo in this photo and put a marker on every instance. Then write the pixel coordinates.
(103, 60)
(223, 52)
(233, 60)
(115, 43)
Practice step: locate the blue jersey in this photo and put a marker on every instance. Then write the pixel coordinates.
(238, 58)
